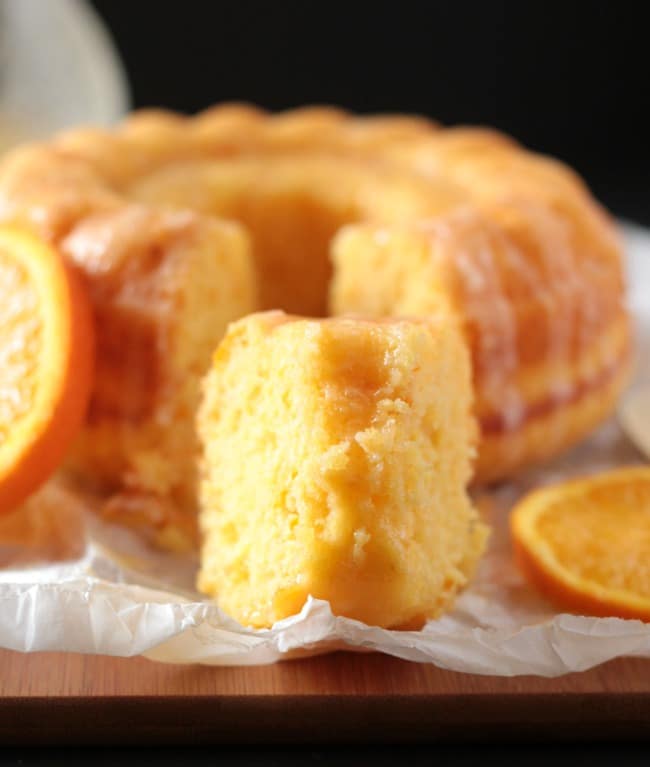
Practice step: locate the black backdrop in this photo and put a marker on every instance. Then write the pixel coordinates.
(566, 78)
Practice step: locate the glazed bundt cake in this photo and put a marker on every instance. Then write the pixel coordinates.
(359, 436)
(529, 259)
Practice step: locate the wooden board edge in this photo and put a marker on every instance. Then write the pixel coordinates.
(327, 719)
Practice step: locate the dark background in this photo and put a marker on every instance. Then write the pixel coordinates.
(568, 79)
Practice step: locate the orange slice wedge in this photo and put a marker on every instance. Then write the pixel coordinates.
(585, 544)
(46, 362)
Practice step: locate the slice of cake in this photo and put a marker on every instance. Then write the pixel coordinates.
(336, 454)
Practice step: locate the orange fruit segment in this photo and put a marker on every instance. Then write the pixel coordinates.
(46, 362)
(585, 544)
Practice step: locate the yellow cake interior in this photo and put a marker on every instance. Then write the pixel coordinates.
(336, 454)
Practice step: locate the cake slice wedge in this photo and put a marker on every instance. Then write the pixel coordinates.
(335, 459)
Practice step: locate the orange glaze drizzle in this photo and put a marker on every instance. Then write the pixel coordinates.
(497, 423)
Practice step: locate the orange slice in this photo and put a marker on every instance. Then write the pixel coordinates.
(586, 544)
(46, 362)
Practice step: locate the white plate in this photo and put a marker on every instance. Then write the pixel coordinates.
(637, 245)
(58, 67)
(634, 408)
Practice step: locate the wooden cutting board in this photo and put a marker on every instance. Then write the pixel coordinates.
(344, 697)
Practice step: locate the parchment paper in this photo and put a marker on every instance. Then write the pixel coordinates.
(108, 593)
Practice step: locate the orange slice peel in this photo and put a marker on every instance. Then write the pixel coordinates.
(585, 544)
(46, 361)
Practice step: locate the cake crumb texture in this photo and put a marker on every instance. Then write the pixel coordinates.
(336, 454)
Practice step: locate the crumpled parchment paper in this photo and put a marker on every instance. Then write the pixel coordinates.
(108, 593)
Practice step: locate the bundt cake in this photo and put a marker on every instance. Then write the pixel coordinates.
(531, 261)
(336, 455)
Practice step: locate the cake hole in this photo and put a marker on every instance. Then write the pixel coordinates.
(290, 218)
(291, 241)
